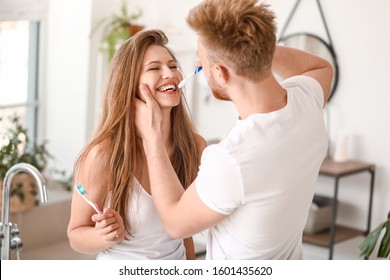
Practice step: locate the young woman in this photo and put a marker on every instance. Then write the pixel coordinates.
(112, 168)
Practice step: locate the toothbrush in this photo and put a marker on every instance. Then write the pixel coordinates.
(183, 82)
(83, 192)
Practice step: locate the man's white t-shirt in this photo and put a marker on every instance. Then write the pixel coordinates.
(263, 175)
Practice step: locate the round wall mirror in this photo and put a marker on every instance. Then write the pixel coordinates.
(317, 46)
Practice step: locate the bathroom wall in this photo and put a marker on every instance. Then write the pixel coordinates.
(359, 106)
(359, 33)
(66, 78)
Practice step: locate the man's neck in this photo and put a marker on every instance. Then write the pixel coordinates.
(258, 97)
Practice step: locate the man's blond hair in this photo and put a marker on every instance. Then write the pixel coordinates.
(240, 33)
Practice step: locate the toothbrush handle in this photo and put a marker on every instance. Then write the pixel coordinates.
(97, 208)
(183, 82)
(94, 205)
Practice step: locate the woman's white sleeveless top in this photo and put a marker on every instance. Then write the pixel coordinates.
(149, 241)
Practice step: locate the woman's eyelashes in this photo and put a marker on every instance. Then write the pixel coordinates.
(156, 68)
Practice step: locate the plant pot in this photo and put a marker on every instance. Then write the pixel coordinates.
(23, 193)
(135, 29)
(115, 38)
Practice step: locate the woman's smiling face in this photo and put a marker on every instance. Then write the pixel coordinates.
(161, 74)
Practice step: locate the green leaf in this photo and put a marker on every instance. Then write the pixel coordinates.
(384, 247)
(17, 147)
(115, 28)
(369, 242)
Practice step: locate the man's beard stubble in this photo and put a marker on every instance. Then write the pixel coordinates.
(217, 91)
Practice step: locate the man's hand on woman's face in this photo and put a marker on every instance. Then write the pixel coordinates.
(148, 115)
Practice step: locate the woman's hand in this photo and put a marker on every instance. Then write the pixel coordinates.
(109, 225)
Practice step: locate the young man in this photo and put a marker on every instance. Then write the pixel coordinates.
(254, 189)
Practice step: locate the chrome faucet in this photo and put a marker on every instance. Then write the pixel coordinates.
(6, 225)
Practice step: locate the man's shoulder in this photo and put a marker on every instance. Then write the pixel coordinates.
(304, 86)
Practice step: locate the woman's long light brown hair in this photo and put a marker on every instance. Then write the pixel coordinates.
(120, 149)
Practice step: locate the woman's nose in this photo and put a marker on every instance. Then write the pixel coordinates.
(167, 73)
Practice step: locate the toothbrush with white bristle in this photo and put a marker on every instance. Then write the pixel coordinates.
(196, 71)
(83, 192)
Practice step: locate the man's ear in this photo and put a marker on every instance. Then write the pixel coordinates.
(222, 73)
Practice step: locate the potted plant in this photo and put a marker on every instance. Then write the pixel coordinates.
(369, 243)
(15, 147)
(117, 28)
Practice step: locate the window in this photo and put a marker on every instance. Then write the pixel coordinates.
(21, 25)
(19, 43)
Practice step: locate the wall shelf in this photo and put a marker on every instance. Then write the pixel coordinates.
(322, 238)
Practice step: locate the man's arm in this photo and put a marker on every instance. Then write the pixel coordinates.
(290, 62)
(183, 213)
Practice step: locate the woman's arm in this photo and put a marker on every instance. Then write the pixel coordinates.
(89, 232)
(190, 248)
